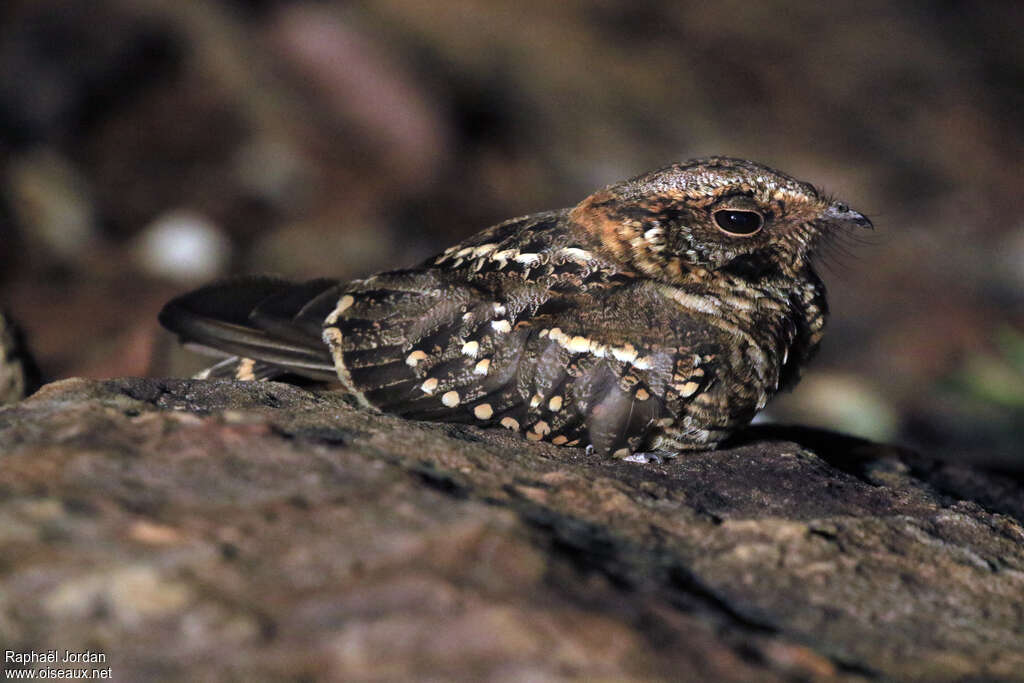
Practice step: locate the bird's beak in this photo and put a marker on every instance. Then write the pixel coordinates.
(838, 212)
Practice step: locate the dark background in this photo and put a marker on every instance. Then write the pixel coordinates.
(335, 138)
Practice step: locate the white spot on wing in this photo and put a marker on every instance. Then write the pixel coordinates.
(626, 354)
(415, 357)
(527, 258)
(578, 345)
(689, 389)
(344, 303)
(576, 253)
(504, 256)
(484, 249)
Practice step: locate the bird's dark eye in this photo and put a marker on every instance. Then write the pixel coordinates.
(739, 222)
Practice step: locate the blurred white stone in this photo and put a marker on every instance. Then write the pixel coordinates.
(183, 246)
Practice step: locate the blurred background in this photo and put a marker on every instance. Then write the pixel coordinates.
(147, 146)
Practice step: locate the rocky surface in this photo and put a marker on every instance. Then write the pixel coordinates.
(225, 531)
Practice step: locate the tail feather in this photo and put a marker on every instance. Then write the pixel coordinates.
(280, 314)
(252, 318)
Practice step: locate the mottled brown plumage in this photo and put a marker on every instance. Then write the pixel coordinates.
(658, 314)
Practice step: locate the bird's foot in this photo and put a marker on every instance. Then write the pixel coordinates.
(651, 457)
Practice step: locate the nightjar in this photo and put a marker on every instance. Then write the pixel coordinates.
(658, 314)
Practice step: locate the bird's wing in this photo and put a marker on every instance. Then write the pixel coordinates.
(270, 328)
(567, 368)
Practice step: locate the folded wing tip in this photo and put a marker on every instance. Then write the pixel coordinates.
(220, 316)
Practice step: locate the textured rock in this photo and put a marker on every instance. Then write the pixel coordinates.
(223, 531)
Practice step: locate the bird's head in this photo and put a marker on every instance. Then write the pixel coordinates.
(712, 214)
